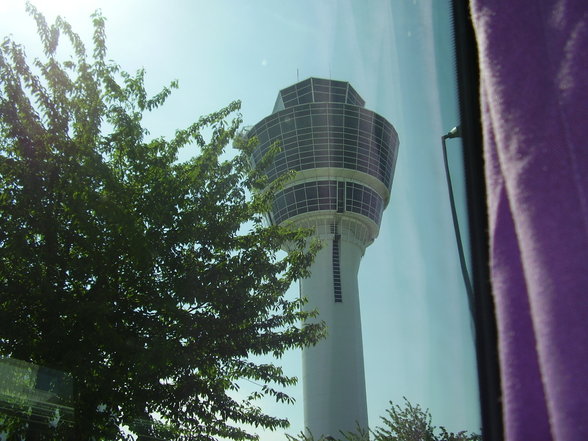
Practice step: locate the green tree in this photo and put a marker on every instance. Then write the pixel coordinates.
(148, 280)
(412, 423)
(408, 423)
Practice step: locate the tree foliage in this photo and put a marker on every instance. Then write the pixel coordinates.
(408, 423)
(147, 280)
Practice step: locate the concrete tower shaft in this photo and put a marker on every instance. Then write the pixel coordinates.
(344, 156)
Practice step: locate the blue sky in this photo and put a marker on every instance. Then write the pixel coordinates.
(397, 55)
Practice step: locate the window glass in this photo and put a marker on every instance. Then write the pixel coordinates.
(391, 61)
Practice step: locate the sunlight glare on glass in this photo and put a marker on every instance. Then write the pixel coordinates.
(52, 8)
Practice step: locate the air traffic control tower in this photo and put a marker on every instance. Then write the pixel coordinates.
(344, 156)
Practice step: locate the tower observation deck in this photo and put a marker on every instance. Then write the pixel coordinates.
(344, 156)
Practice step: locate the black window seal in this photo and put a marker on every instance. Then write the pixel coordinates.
(468, 78)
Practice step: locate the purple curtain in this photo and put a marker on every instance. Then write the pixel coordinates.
(534, 90)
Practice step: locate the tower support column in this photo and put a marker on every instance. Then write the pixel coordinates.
(333, 370)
